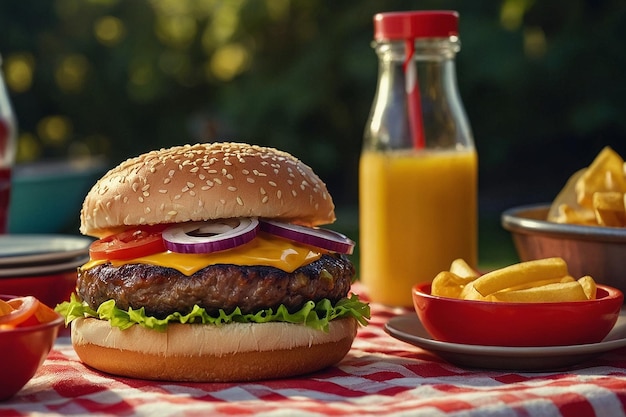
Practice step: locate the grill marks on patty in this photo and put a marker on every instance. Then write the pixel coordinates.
(162, 291)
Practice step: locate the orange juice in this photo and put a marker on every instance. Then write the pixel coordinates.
(418, 212)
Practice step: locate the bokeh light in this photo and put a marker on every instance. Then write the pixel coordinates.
(18, 71)
(71, 72)
(109, 30)
(28, 147)
(228, 61)
(54, 130)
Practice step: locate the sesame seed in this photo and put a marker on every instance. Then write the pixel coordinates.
(250, 180)
(185, 189)
(293, 193)
(172, 213)
(140, 199)
(147, 210)
(163, 191)
(217, 180)
(125, 200)
(167, 181)
(171, 173)
(135, 186)
(177, 197)
(262, 190)
(230, 176)
(279, 194)
(272, 183)
(194, 169)
(201, 176)
(205, 187)
(231, 188)
(245, 172)
(192, 193)
(239, 201)
(190, 184)
(265, 199)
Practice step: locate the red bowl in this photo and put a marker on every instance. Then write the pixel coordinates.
(50, 289)
(517, 324)
(23, 350)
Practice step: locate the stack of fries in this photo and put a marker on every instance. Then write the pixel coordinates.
(543, 280)
(594, 195)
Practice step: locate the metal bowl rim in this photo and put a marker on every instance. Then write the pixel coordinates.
(513, 220)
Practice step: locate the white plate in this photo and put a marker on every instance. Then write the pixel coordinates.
(36, 249)
(27, 271)
(408, 328)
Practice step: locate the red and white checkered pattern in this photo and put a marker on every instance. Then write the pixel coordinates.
(380, 376)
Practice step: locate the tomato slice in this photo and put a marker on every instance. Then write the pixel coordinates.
(45, 314)
(129, 244)
(22, 308)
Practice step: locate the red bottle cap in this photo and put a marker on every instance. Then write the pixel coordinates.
(411, 25)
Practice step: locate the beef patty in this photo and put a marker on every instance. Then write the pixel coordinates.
(162, 291)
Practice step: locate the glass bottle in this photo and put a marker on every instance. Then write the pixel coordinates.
(418, 166)
(8, 131)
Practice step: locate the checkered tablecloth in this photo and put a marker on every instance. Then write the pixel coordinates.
(380, 376)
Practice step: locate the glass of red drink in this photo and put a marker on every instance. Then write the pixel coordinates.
(8, 129)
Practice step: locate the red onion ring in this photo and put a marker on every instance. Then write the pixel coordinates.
(210, 236)
(314, 236)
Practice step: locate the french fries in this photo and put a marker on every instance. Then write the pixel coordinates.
(463, 270)
(543, 280)
(549, 293)
(519, 274)
(609, 208)
(595, 195)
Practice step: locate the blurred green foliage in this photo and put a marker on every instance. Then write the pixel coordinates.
(542, 82)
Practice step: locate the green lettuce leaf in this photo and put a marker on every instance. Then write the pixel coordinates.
(314, 315)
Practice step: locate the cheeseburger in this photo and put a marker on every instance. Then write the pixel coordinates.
(209, 266)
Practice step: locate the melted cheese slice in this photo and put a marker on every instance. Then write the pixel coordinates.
(264, 250)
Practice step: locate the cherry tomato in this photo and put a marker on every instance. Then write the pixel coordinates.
(133, 243)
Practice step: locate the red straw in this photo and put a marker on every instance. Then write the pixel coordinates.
(413, 96)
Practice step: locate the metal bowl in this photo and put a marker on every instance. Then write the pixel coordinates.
(588, 250)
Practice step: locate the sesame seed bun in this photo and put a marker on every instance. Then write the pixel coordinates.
(206, 181)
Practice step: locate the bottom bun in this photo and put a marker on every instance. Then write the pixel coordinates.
(207, 353)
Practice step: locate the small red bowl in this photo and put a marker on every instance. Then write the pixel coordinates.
(50, 289)
(517, 324)
(22, 351)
